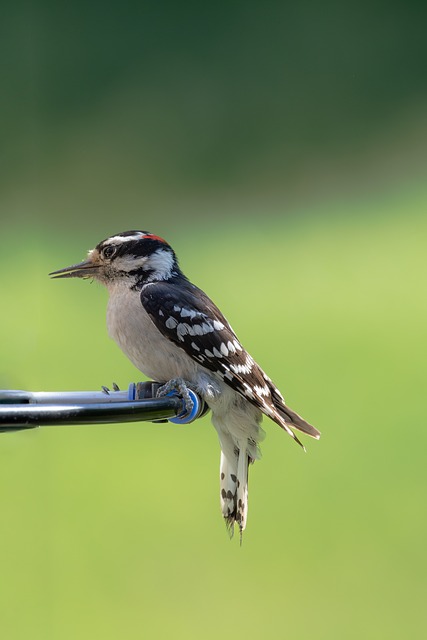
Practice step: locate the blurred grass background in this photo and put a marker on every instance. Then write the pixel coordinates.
(281, 150)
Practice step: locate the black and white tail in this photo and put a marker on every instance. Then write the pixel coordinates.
(234, 489)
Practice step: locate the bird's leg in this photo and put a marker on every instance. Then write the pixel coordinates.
(181, 387)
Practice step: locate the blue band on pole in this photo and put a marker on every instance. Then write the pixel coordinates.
(184, 417)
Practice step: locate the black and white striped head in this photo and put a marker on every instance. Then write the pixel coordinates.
(131, 257)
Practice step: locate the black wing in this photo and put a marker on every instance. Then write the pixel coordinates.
(193, 322)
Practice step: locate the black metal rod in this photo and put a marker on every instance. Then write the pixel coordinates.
(27, 416)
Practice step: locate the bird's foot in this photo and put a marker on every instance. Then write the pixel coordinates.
(180, 386)
(107, 391)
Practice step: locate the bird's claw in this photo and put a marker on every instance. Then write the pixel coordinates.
(181, 387)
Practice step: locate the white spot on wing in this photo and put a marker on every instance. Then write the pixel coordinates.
(231, 347)
(224, 349)
(261, 391)
(268, 409)
(171, 323)
(206, 327)
(248, 390)
(241, 368)
(181, 331)
(187, 313)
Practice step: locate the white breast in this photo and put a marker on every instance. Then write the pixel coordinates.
(135, 333)
(234, 418)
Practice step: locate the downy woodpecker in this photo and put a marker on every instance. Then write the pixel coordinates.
(172, 331)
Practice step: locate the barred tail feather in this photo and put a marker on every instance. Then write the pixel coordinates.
(234, 490)
(242, 489)
(228, 490)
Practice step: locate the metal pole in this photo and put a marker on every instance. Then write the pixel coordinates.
(27, 416)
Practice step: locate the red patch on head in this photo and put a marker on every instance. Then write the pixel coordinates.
(151, 236)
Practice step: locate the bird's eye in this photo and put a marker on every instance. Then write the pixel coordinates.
(108, 251)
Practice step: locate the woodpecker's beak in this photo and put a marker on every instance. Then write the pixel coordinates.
(86, 269)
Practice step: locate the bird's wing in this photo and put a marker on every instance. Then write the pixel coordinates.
(188, 317)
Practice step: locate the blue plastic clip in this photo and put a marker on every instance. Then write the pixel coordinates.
(184, 417)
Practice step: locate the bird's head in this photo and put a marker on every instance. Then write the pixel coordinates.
(131, 257)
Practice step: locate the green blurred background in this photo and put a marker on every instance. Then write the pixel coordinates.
(281, 149)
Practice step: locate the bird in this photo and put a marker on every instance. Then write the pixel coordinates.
(173, 333)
